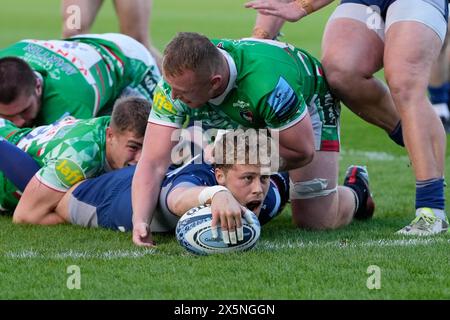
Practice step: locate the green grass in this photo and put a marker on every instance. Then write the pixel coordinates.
(287, 263)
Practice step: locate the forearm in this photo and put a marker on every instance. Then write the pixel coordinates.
(145, 191)
(267, 27)
(183, 199)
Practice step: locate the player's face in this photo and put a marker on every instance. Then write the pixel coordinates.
(22, 111)
(191, 89)
(248, 183)
(122, 148)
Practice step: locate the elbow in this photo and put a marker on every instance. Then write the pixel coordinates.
(301, 158)
(19, 218)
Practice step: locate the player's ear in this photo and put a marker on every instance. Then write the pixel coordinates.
(216, 81)
(220, 176)
(109, 133)
(38, 88)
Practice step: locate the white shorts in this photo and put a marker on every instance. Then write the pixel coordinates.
(132, 48)
(400, 10)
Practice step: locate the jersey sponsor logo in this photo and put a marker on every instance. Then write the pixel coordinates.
(283, 100)
(160, 102)
(68, 172)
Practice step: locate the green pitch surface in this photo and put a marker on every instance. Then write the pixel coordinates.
(37, 262)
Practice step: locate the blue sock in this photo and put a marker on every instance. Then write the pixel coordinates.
(397, 135)
(17, 165)
(439, 94)
(430, 194)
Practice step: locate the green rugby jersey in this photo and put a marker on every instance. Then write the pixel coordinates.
(83, 75)
(68, 151)
(271, 86)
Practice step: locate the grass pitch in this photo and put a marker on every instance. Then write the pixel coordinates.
(35, 262)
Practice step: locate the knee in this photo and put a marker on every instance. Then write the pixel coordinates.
(340, 78)
(311, 217)
(313, 224)
(405, 90)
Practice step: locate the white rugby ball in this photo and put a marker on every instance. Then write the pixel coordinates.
(193, 232)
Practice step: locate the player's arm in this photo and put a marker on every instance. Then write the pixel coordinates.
(147, 179)
(287, 9)
(296, 145)
(37, 204)
(286, 114)
(224, 208)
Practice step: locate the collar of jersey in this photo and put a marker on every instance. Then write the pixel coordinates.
(231, 83)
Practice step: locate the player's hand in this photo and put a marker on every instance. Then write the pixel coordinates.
(289, 11)
(226, 209)
(142, 236)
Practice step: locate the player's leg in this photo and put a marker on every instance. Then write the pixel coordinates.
(352, 53)
(415, 32)
(316, 200)
(17, 165)
(439, 85)
(134, 20)
(87, 10)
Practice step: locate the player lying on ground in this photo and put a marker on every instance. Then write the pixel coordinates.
(43, 80)
(105, 201)
(69, 151)
(257, 84)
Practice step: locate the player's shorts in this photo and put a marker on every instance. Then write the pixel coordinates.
(135, 52)
(379, 15)
(324, 111)
(105, 201)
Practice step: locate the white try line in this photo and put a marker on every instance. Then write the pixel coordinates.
(261, 245)
(373, 155)
(270, 245)
(73, 254)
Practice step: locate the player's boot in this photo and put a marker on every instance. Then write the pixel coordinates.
(357, 178)
(425, 224)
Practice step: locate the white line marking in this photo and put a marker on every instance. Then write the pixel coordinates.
(373, 155)
(72, 254)
(269, 245)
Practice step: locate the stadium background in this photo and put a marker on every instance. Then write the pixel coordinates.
(287, 264)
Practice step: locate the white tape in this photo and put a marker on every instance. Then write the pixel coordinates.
(208, 193)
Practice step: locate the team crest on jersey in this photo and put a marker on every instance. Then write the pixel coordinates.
(68, 172)
(247, 115)
(245, 112)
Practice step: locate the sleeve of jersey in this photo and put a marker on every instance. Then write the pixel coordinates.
(65, 166)
(284, 106)
(199, 177)
(165, 111)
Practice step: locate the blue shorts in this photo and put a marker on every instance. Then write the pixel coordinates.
(104, 201)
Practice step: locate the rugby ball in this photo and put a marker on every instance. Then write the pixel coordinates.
(193, 232)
